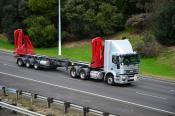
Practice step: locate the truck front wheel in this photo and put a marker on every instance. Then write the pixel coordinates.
(110, 79)
(73, 73)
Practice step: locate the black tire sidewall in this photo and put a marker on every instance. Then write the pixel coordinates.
(73, 70)
(108, 77)
(19, 60)
(82, 71)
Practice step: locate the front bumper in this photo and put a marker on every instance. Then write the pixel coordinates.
(124, 79)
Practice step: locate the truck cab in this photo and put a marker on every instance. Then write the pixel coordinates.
(120, 61)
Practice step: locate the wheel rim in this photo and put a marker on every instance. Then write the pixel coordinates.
(19, 63)
(73, 73)
(27, 64)
(110, 80)
(82, 75)
(36, 66)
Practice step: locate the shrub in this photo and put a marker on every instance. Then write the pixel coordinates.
(149, 47)
(164, 24)
(138, 22)
(41, 31)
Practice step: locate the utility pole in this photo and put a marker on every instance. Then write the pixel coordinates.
(59, 28)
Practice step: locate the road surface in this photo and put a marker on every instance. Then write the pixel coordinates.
(148, 96)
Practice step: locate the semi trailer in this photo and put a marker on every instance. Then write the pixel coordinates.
(115, 62)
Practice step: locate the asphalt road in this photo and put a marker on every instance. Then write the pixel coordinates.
(148, 96)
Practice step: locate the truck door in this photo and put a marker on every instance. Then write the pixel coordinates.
(115, 64)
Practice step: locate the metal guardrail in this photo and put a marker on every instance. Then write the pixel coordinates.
(19, 110)
(49, 101)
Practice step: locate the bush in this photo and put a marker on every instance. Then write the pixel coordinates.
(139, 22)
(149, 47)
(164, 24)
(41, 31)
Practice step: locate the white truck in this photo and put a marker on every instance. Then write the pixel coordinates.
(121, 64)
(114, 63)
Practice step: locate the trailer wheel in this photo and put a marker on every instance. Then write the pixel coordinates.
(36, 66)
(28, 64)
(110, 79)
(83, 75)
(20, 62)
(73, 73)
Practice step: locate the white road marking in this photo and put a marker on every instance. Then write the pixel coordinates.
(146, 94)
(94, 94)
(159, 80)
(172, 91)
(9, 65)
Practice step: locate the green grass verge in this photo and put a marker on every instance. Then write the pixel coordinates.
(162, 66)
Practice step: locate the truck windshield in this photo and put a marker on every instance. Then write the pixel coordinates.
(130, 59)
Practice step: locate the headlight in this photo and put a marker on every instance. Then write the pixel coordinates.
(136, 77)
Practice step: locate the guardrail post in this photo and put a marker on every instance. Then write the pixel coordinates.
(17, 94)
(4, 91)
(33, 96)
(85, 110)
(49, 101)
(49, 114)
(0, 101)
(66, 106)
(14, 112)
(105, 114)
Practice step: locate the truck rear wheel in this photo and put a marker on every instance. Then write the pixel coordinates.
(73, 73)
(110, 79)
(28, 64)
(19, 62)
(83, 75)
(36, 66)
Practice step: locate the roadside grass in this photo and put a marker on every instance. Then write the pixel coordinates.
(4, 43)
(163, 66)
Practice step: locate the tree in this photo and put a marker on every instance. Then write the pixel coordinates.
(164, 23)
(41, 25)
(41, 31)
(13, 13)
(91, 18)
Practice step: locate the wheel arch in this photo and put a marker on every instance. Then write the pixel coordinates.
(109, 73)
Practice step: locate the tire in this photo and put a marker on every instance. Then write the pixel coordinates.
(36, 66)
(20, 62)
(110, 79)
(28, 64)
(73, 73)
(83, 75)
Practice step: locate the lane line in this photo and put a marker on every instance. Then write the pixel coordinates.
(93, 94)
(10, 65)
(142, 93)
(159, 80)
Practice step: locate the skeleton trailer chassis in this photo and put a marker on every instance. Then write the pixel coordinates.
(115, 62)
